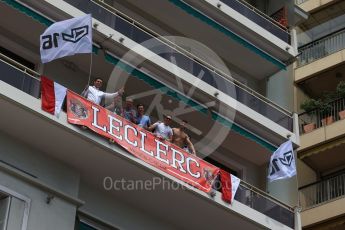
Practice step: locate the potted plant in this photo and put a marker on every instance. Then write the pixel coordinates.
(326, 108)
(341, 94)
(310, 106)
(325, 112)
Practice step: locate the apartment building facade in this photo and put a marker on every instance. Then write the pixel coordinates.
(224, 66)
(319, 78)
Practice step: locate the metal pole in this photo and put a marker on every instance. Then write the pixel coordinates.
(90, 71)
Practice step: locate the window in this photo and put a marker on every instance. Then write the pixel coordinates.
(85, 222)
(4, 210)
(217, 184)
(17, 58)
(14, 209)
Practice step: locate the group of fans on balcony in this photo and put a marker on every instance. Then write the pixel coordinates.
(162, 130)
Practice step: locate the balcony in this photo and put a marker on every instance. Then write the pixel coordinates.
(322, 192)
(187, 61)
(321, 48)
(313, 5)
(20, 77)
(323, 202)
(299, 2)
(194, 19)
(250, 201)
(322, 137)
(276, 24)
(263, 203)
(335, 111)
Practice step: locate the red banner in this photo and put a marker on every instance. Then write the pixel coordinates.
(141, 143)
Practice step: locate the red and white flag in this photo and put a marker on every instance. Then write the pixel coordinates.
(230, 185)
(52, 96)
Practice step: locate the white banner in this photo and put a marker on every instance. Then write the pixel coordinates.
(66, 38)
(282, 163)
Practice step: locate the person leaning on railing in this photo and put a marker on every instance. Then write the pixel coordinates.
(129, 113)
(162, 130)
(116, 106)
(94, 94)
(141, 119)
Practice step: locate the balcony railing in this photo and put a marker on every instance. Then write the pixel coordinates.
(321, 48)
(299, 2)
(187, 61)
(26, 80)
(264, 203)
(259, 18)
(322, 192)
(19, 76)
(309, 121)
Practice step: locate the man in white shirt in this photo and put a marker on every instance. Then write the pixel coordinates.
(162, 129)
(95, 95)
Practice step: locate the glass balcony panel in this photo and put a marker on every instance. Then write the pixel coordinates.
(265, 205)
(209, 78)
(123, 27)
(140, 36)
(182, 61)
(260, 19)
(20, 80)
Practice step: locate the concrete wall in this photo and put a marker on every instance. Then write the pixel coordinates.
(114, 211)
(275, 5)
(247, 171)
(322, 134)
(300, 97)
(309, 6)
(59, 214)
(280, 88)
(31, 160)
(66, 74)
(323, 213)
(305, 174)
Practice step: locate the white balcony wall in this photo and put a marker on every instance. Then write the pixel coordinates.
(101, 203)
(54, 173)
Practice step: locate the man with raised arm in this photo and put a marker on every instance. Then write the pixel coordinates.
(94, 94)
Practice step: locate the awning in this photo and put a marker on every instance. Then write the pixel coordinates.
(322, 148)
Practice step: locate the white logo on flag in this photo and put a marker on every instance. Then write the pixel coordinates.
(282, 163)
(66, 38)
(235, 183)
